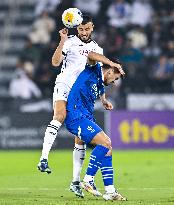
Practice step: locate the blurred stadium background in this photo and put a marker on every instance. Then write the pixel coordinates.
(138, 32)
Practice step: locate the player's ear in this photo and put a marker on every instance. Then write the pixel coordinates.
(92, 26)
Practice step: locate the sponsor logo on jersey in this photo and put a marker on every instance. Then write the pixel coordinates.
(86, 52)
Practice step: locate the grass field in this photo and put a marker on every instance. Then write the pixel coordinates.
(144, 177)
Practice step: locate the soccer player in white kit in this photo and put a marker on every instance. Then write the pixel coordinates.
(74, 52)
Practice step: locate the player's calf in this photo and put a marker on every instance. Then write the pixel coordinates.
(108, 179)
(103, 146)
(51, 131)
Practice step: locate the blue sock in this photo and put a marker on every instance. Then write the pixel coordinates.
(107, 170)
(96, 158)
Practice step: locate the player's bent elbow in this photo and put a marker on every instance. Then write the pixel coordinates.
(56, 60)
(55, 64)
(91, 55)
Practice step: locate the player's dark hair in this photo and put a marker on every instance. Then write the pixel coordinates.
(86, 19)
(118, 62)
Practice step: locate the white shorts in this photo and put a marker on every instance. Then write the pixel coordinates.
(61, 92)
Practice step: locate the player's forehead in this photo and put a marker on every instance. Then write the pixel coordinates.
(115, 74)
(87, 25)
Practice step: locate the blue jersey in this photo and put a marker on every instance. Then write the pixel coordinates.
(86, 89)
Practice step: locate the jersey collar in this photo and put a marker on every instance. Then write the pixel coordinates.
(102, 74)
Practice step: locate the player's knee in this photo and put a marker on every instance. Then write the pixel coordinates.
(107, 143)
(60, 116)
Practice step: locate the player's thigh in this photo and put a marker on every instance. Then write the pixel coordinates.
(60, 96)
(61, 92)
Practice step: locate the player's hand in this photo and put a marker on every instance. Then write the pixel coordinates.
(116, 65)
(107, 105)
(63, 33)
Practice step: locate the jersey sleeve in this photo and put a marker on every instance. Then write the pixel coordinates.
(100, 50)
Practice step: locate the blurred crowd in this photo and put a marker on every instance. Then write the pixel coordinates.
(138, 32)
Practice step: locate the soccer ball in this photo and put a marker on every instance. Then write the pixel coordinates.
(72, 17)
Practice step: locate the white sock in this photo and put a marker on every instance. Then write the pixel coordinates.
(50, 136)
(88, 178)
(110, 189)
(78, 159)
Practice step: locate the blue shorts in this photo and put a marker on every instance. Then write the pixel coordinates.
(84, 128)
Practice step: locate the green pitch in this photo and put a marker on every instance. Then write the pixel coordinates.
(144, 177)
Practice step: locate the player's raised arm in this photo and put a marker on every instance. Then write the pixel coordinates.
(57, 56)
(96, 57)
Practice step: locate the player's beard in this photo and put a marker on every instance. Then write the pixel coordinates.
(85, 39)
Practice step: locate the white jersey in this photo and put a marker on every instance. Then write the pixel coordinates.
(75, 54)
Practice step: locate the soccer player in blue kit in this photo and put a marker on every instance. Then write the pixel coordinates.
(80, 122)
